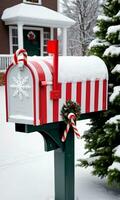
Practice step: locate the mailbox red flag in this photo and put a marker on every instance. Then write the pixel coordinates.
(52, 46)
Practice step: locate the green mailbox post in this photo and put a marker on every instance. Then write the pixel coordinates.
(63, 156)
(47, 95)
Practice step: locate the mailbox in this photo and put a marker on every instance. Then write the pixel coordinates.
(37, 87)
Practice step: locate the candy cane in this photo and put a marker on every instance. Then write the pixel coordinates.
(71, 117)
(19, 52)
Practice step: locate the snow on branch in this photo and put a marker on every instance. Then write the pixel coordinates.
(114, 120)
(113, 29)
(113, 50)
(117, 151)
(91, 160)
(116, 69)
(96, 29)
(118, 14)
(98, 43)
(115, 165)
(104, 18)
(116, 92)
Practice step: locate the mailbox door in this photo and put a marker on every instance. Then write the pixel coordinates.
(20, 95)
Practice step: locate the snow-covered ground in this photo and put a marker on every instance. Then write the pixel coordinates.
(27, 172)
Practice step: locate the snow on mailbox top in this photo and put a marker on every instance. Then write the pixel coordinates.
(77, 68)
(81, 68)
(33, 98)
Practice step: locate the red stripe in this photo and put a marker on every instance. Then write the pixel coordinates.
(42, 94)
(56, 107)
(87, 96)
(96, 97)
(15, 58)
(68, 91)
(79, 90)
(34, 98)
(43, 105)
(104, 105)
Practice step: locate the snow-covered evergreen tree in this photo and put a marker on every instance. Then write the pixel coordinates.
(114, 122)
(103, 138)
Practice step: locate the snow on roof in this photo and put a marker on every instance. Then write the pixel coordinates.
(76, 68)
(30, 14)
(113, 50)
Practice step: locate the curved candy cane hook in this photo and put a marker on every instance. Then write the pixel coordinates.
(21, 61)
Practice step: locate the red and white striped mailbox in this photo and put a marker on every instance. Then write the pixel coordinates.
(37, 87)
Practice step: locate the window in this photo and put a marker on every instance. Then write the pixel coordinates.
(13, 39)
(33, 1)
(46, 38)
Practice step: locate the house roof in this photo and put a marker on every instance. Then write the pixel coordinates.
(29, 14)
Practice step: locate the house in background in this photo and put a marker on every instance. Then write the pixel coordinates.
(29, 24)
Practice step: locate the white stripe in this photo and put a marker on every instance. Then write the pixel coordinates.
(48, 75)
(74, 92)
(62, 100)
(106, 94)
(49, 105)
(37, 92)
(92, 95)
(100, 96)
(83, 97)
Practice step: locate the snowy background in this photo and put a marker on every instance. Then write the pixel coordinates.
(27, 171)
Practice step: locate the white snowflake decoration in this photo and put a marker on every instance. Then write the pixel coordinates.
(20, 86)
